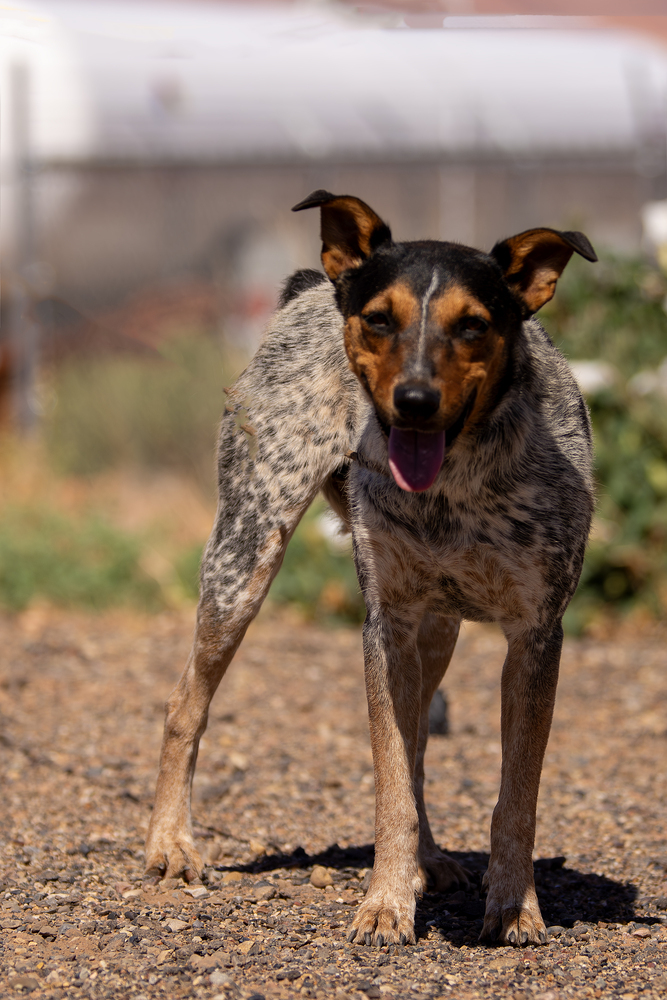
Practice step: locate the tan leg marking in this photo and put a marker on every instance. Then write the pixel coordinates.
(393, 688)
(530, 676)
(402, 672)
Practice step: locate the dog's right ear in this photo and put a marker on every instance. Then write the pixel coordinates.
(351, 231)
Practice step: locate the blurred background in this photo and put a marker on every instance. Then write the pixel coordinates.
(149, 156)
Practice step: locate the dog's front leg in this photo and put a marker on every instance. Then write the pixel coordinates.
(393, 687)
(530, 676)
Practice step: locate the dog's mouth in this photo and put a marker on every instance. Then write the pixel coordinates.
(416, 457)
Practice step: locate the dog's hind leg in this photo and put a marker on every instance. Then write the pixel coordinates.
(529, 680)
(261, 502)
(436, 641)
(170, 847)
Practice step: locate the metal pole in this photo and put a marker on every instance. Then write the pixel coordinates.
(24, 330)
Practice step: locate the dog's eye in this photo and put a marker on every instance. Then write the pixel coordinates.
(474, 325)
(379, 321)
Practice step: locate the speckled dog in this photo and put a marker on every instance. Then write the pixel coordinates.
(415, 390)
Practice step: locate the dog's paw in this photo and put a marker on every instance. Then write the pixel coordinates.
(381, 921)
(173, 857)
(440, 873)
(514, 925)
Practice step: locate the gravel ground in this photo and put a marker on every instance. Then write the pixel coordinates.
(284, 798)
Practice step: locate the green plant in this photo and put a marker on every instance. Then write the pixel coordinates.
(151, 413)
(615, 312)
(84, 562)
(612, 310)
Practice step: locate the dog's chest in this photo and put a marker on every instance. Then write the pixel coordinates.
(486, 557)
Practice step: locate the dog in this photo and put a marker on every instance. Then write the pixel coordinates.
(410, 384)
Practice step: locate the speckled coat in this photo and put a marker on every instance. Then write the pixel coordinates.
(498, 535)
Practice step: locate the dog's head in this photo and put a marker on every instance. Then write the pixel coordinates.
(429, 325)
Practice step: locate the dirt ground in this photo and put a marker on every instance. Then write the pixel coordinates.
(285, 783)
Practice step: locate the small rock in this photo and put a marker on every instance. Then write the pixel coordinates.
(222, 957)
(320, 877)
(503, 962)
(177, 925)
(249, 948)
(261, 892)
(641, 932)
(122, 887)
(26, 983)
(197, 892)
(290, 974)
(203, 963)
(219, 978)
(231, 877)
(116, 941)
(257, 847)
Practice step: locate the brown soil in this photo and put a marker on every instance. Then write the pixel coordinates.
(285, 783)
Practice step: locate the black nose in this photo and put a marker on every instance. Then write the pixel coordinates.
(416, 402)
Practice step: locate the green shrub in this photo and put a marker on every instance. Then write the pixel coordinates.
(149, 413)
(615, 312)
(86, 563)
(612, 310)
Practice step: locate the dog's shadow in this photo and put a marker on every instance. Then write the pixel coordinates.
(566, 895)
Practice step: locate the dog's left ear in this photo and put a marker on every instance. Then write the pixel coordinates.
(351, 231)
(532, 262)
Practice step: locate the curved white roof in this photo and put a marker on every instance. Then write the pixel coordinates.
(196, 81)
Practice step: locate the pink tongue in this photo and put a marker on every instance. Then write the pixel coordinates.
(415, 458)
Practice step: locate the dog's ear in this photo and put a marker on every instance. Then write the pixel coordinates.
(532, 262)
(351, 231)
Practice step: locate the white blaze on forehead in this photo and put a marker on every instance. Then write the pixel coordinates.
(428, 295)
